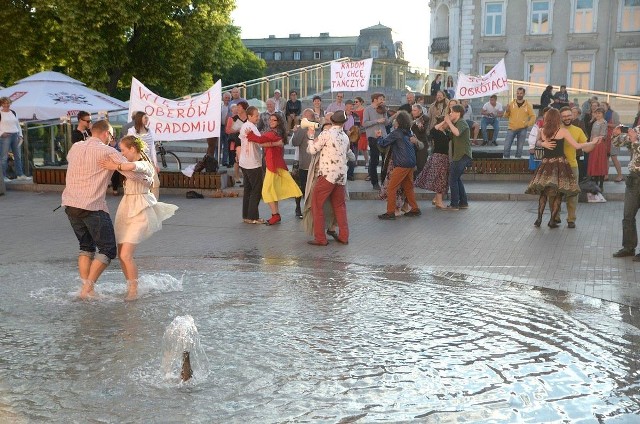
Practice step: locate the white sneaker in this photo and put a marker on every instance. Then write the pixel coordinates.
(23, 177)
(7, 180)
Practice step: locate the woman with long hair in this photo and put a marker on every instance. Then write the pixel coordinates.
(435, 174)
(139, 214)
(363, 143)
(142, 130)
(553, 178)
(598, 164)
(450, 87)
(278, 183)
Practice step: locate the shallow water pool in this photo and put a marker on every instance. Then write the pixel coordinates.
(311, 341)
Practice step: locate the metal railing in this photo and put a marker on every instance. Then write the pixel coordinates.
(625, 105)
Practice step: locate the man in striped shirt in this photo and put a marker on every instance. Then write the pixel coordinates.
(86, 206)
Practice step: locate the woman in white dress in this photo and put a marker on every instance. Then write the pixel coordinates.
(139, 214)
(141, 129)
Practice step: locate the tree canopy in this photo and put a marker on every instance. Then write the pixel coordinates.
(174, 47)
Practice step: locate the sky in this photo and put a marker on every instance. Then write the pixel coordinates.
(410, 23)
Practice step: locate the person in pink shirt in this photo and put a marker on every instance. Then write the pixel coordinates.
(85, 205)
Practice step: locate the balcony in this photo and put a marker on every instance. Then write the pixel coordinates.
(440, 45)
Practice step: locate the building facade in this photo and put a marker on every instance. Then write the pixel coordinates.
(585, 44)
(294, 52)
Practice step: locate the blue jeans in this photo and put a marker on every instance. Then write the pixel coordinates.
(374, 160)
(93, 229)
(495, 124)
(508, 141)
(456, 169)
(631, 206)
(10, 143)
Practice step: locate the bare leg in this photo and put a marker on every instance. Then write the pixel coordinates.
(84, 264)
(438, 201)
(129, 268)
(88, 284)
(616, 164)
(274, 207)
(132, 290)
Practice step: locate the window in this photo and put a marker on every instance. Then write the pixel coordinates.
(628, 77)
(316, 55)
(375, 80)
(487, 67)
(277, 55)
(580, 75)
(493, 15)
(374, 52)
(583, 16)
(258, 55)
(630, 16)
(539, 18)
(337, 54)
(538, 72)
(296, 55)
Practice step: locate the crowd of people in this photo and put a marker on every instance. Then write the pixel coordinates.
(425, 146)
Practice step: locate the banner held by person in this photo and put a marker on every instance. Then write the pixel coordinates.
(187, 119)
(495, 81)
(352, 75)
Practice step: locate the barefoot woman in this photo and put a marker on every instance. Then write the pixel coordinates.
(139, 214)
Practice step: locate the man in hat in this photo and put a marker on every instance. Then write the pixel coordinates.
(333, 148)
(631, 191)
(278, 100)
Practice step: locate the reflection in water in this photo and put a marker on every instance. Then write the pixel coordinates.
(289, 340)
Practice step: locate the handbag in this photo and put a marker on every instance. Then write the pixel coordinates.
(354, 134)
(538, 153)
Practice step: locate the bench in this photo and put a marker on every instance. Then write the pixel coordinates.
(209, 180)
(498, 166)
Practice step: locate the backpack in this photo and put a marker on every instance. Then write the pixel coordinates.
(12, 111)
(207, 164)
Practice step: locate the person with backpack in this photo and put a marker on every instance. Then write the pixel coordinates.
(10, 139)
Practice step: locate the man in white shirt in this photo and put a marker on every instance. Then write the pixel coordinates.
(250, 163)
(491, 112)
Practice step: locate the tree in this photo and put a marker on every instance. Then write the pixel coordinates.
(173, 46)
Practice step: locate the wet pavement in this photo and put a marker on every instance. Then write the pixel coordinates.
(469, 316)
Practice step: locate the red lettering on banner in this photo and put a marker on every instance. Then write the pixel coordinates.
(351, 65)
(143, 95)
(185, 127)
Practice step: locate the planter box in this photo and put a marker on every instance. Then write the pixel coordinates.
(57, 175)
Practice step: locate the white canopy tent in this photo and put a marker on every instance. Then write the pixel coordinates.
(50, 95)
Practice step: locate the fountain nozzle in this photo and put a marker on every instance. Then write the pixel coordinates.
(186, 372)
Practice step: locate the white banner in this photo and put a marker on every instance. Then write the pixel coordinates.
(351, 76)
(170, 120)
(494, 81)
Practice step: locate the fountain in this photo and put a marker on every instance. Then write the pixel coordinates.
(182, 351)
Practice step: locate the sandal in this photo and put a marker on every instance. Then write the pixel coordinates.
(619, 179)
(333, 234)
